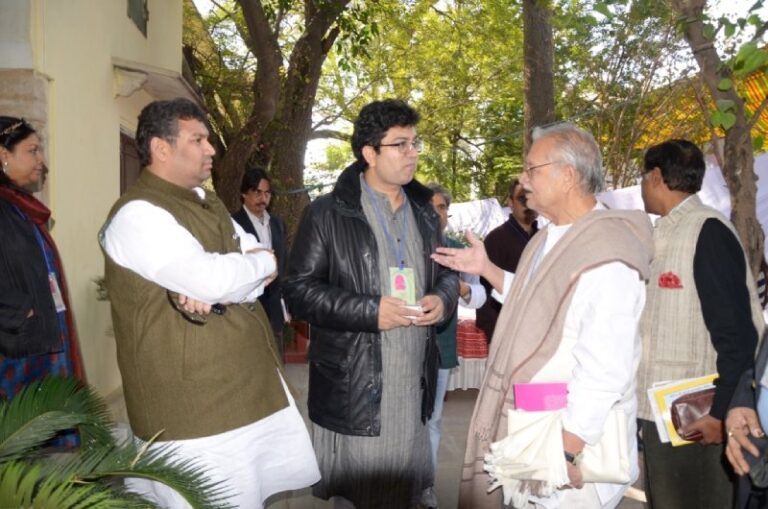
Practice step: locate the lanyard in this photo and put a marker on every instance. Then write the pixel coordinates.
(397, 247)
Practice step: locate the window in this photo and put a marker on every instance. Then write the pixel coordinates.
(139, 13)
(130, 166)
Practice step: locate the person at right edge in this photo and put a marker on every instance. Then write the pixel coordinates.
(701, 316)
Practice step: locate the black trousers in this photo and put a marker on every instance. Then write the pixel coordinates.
(689, 477)
(749, 497)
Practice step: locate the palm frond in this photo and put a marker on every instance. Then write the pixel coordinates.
(25, 485)
(88, 478)
(46, 407)
(156, 464)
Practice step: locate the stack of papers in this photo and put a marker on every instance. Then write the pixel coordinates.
(661, 396)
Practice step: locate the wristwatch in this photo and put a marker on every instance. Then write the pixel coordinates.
(573, 459)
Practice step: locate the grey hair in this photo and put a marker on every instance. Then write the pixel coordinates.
(442, 191)
(578, 148)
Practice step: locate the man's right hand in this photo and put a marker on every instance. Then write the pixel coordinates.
(472, 259)
(392, 313)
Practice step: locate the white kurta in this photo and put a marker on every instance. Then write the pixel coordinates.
(147, 240)
(598, 358)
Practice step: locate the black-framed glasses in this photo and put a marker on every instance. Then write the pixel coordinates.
(404, 146)
(529, 170)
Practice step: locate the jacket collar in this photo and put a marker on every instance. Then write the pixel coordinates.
(347, 189)
(681, 211)
(147, 179)
(518, 228)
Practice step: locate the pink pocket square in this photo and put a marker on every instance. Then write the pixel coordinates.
(670, 280)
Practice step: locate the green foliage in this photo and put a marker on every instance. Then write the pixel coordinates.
(619, 71)
(748, 59)
(722, 119)
(459, 65)
(222, 64)
(724, 84)
(42, 409)
(30, 477)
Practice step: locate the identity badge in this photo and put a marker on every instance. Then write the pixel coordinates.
(402, 283)
(58, 299)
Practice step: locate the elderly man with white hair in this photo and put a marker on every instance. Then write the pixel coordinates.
(570, 314)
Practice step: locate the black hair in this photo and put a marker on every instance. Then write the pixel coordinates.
(13, 131)
(252, 177)
(375, 119)
(681, 164)
(512, 187)
(159, 119)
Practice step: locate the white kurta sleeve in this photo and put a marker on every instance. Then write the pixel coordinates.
(477, 296)
(147, 240)
(508, 278)
(608, 302)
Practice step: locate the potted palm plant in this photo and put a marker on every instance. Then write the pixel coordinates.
(34, 476)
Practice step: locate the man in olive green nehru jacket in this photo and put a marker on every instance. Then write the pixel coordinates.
(209, 383)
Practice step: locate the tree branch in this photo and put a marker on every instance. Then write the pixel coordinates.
(760, 32)
(265, 47)
(320, 134)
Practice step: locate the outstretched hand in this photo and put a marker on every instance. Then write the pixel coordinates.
(471, 260)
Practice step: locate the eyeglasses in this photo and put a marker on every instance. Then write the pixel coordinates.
(528, 170)
(404, 146)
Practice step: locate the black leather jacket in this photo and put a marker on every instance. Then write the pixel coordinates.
(333, 283)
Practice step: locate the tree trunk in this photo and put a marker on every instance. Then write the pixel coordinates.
(538, 50)
(738, 160)
(279, 128)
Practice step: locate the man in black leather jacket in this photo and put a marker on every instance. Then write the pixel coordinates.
(351, 247)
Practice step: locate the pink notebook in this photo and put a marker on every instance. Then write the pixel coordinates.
(535, 397)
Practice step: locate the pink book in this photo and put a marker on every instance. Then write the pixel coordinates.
(535, 397)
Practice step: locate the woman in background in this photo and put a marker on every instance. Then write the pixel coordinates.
(37, 333)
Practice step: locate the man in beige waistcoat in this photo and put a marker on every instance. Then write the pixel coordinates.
(207, 383)
(570, 315)
(701, 317)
